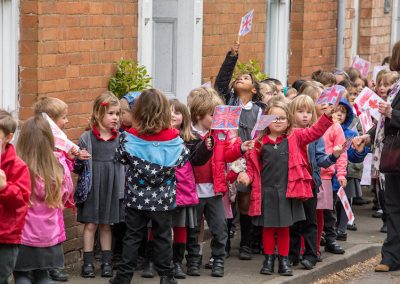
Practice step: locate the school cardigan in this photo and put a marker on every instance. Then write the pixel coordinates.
(299, 178)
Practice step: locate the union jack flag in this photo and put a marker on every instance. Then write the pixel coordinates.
(226, 117)
(331, 95)
(245, 25)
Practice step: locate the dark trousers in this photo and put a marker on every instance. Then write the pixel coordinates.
(391, 246)
(136, 229)
(308, 229)
(8, 258)
(214, 213)
(330, 218)
(381, 198)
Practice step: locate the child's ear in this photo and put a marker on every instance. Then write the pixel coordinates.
(7, 139)
(254, 91)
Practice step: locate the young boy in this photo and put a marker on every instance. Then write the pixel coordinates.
(210, 182)
(15, 190)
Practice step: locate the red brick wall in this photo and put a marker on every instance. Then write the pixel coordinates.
(312, 37)
(68, 50)
(221, 27)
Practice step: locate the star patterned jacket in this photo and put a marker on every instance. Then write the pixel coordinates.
(151, 160)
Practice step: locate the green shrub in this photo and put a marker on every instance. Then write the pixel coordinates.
(130, 76)
(252, 66)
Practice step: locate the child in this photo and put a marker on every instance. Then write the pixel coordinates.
(280, 178)
(127, 103)
(302, 109)
(211, 183)
(185, 215)
(51, 183)
(267, 91)
(152, 150)
(244, 92)
(102, 180)
(15, 189)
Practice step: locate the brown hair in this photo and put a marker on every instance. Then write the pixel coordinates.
(395, 57)
(285, 108)
(7, 123)
(326, 78)
(100, 107)
(53, 107)
(303, 102)
(185, 130)
(124, 105)
(39, 157)
(341, 108)
(380, 75)
(312, 89)
(151, 112)
(353, 73)
(203, 102)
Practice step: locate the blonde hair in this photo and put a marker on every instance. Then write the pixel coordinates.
(53, 107)
(303, 102)
(124, 105)
(151, 112)
(7, 123)
(203, 101)
(312, 89)
(40, 158)
(100, 107)
(185, 130)
(390, 77)
(285, 108)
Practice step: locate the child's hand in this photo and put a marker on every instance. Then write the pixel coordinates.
(358, 144)
(243, 178)
(235, 48)
(328, 109)
(337, 151)
(343, 182)
(247, 145)
(72, 153)
(3, 180)
(209, 144)
(84, 155)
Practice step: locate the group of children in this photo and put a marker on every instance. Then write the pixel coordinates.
(151, 171)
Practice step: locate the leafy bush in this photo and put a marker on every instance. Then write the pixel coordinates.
(252, 66)
(130, 76)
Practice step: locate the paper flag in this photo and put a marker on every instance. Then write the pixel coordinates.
(378, 69)
(366, 121)
(226, 117)
(331, 95)
(361, 65)
(262, 123)
(245, 25)
(367, 99)
(346, 205)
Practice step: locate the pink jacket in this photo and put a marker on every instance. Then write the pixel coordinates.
(334, 136)
(186, 193)
(44, 226)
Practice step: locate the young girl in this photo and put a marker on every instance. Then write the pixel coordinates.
(302, 109)
(102, 179)
(152, 150)
(51, 181)
(280, 178)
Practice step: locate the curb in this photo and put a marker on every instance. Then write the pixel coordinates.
(332, 264)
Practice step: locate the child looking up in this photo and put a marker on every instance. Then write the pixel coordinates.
(15, 189)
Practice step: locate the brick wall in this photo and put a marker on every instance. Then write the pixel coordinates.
(68, 50)
(312, 37)
(375, 31)
(221, 27)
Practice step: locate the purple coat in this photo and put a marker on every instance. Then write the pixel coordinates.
(186, 194)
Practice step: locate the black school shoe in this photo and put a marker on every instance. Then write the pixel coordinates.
(341, 236)
(352, 227)
(334, 248)
(383, 228)
(245, 253)
(218, 268)
(88, 270)
(268, 265)
(106, 269)
(307, 264)
(284, 267)
(58, 274)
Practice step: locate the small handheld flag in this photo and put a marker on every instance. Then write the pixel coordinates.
(361, 65)
(367, 99)
(226, 117)
(332, 95)
(262, 123)
(245, 25)
(346, 205)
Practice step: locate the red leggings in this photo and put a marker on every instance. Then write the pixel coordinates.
(320, 224)
(282, 240)
(179, 235)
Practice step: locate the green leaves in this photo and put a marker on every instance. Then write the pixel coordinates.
(130, 76)
(252, 66)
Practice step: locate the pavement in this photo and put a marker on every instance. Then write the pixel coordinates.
(361, 245)
(375, 278)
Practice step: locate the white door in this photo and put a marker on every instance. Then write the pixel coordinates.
(277, 39)
(9, 55)
(170, 44)
(395, 23)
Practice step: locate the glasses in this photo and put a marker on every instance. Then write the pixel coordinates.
(280, 119)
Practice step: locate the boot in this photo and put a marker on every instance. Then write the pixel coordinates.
(148, 270)
(88, 267)
(284, 268)
(268, 265)
(106, 264)
(167, 279)
(245, 253)
(178, 251)
(218, 267)
(193, 265)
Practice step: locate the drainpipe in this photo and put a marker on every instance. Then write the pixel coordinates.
(340, 34)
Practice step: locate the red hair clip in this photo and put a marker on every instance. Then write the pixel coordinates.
(104, 104)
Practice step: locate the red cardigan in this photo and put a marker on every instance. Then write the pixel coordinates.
(299, 178)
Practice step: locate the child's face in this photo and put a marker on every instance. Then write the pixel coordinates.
(340, 116)
(351, 96)
(382, 89)
(5, 139)
(126, 118)
(176, 118)
(302, 118)
(280, 89)
(339, 78)
(111, 118)
(62, 120)
(245, 83)
(281, 124)
(266, 93)
(320, 109)
(206, 122)
(360, 84)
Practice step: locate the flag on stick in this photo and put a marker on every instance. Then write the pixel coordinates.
(226, 117)
(332, 95)
(346, 205)
(262, 123)
(245, 25)
(361, 65)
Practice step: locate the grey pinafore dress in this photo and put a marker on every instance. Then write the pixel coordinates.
(276, 210)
